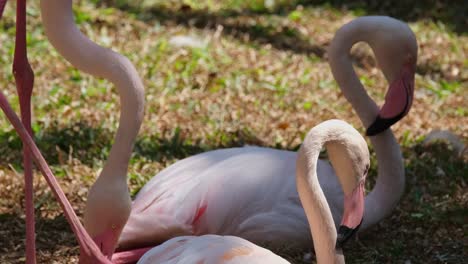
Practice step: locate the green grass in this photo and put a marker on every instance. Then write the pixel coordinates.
(262, 79)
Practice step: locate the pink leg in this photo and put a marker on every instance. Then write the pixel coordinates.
(129, 256)
(2, 7)
(25, 80)
(88, 247)
(24, 77)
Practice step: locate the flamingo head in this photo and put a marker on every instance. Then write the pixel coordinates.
(350, 160)
(395, 49)
(398, 101)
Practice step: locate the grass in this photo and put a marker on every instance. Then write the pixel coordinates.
(261, 78)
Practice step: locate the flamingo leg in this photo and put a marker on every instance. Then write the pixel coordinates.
(24, 77)
(86, 243)
(2, 7)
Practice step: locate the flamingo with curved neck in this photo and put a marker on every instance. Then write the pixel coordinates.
(108, 205)
(248, 192)
(395, 49)
(349, 155)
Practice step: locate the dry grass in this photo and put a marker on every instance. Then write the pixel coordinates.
(263, 79)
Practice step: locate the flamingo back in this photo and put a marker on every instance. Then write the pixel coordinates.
(209, 249)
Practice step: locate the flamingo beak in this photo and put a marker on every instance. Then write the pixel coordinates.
(352, 216)
(398, 101)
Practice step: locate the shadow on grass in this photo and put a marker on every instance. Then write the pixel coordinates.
(252, 26)
(92, 144)
(177, 146)
(79, 140)
(430, 216)
(53, 237)
(451, 13)
(279, 36)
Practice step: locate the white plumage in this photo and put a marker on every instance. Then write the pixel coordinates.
(250, 192)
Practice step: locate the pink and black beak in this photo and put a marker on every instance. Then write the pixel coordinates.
(352, 215)
(398, 101)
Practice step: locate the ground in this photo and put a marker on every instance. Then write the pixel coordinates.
(258, 75)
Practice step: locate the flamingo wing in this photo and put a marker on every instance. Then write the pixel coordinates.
(248, 192)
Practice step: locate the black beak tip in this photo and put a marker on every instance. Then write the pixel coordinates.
(339, 242)
(381, 124)
(344, 234)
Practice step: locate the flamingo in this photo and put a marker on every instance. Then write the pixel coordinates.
(108, 203)
(248, 191)
(348, 153)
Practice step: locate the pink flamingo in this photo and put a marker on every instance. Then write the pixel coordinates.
(108, 204)
(248, 192)
(348, 153)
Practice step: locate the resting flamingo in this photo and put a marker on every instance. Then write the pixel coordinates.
(248, 191)
(349, 155)
(108, 202)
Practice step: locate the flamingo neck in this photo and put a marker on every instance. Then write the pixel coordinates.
(391, 177)
(109, 204)
(312, 198)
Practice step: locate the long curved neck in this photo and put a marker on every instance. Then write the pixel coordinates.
(313, 200)
(391, 177)
(100, 62)
(108, 205)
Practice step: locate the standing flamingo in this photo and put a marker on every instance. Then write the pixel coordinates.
(248, 192)
(105, 216)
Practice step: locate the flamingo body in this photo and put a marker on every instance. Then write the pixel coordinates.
(248, 192)
(340, 139)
